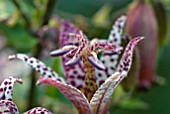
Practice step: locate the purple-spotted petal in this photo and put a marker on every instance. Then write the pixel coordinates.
(62, 51)
(38, 110)
(74, 74)
(38, 66)
(72, 93)
(83, 43)
(99, 46)
(117, 30)
(104, 45)
(110, 60)
(8, 107)
(102, 96)
(96, 62)
(73, 61)
(126, 60)
(65, 38)
(6, 88)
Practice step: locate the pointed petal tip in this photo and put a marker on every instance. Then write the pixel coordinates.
(39, 81)
(140, 38)
(137, 39)
(124, 17)
(19, 80)
(96, 63)
(11, 57)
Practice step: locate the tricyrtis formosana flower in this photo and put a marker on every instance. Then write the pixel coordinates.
(90, 81)
(76, 49)
(6, 104)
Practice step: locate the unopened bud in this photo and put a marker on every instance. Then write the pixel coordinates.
(142, 22)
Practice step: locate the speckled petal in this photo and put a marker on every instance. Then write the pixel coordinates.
(8, 107)
(117, 29)
(74, 74)
(103, 94)
(110, 60)
(38, 110)
(6, 88)
(72, 93)
(103, 45)
(38, 66)
(97, 46)
(126, 60)
(67, 28)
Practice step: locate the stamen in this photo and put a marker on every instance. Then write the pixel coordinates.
(63, 50)
(73, 61)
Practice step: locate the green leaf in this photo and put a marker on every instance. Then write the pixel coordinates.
(88, 7)
(6, 9)
(57, 66)
(18, 37)
(133, 104)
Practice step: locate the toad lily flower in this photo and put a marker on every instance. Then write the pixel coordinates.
(100, 99)
(80, 55)
(80, 62)
(86, 61)
(6, 104)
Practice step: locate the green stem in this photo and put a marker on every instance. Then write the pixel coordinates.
(36, 54)
(48, 11)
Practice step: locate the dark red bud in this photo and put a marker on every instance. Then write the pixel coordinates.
(142, 22)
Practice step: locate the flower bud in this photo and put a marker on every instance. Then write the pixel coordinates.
(142, 22)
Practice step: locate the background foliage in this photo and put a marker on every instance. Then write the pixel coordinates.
(22, 30)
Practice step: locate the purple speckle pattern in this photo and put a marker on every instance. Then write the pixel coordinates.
(6, 92)
(72, 93)
(38, 110)
(74, 74)
(8, 107)
(71, 35)
(103, 94)
(126, 60)
(6, 88)
(97, 46)
(110, 60)
(38, 66)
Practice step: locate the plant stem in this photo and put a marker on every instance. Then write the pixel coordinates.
(38, 48)
(48, 11)
(36, 53)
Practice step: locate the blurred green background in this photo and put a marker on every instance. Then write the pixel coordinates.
(25, 28)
